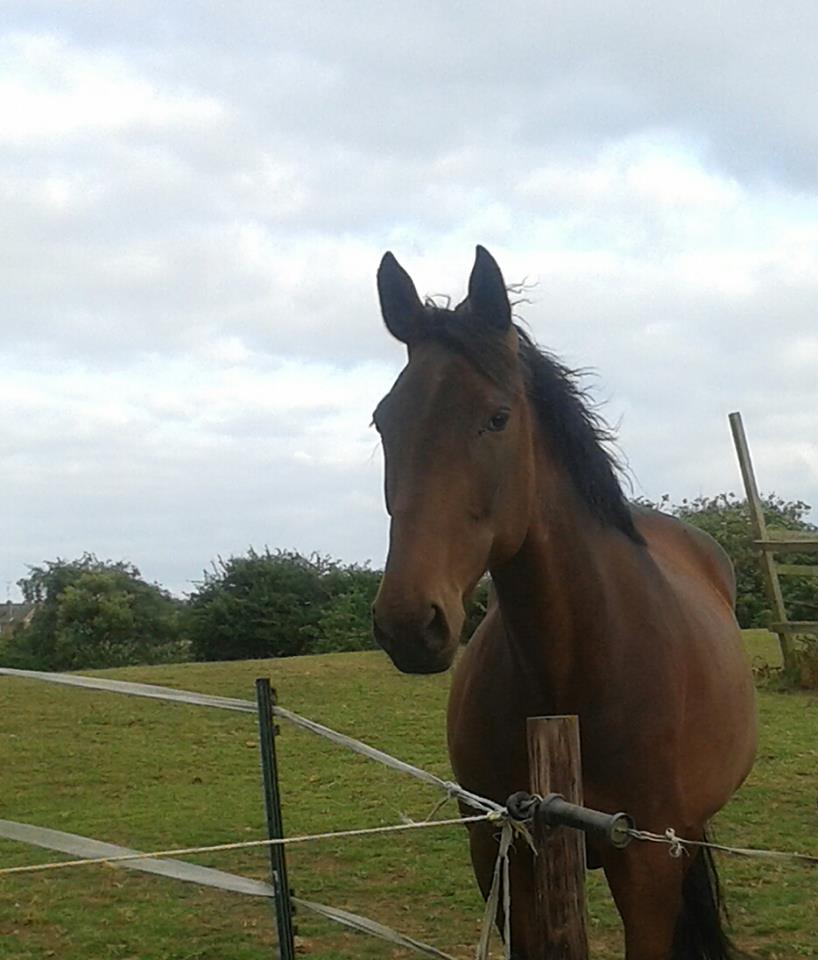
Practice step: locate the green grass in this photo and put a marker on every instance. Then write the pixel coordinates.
(150, 775)
(763, 649)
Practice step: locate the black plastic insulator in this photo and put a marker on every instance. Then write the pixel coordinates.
(522, 806)
(555, 811)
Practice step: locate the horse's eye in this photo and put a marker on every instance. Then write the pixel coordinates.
(498, 421)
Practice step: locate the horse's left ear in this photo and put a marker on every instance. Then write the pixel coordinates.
(488, 298)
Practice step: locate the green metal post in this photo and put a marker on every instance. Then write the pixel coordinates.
(265, 698)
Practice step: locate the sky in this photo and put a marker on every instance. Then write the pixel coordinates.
(194, 198)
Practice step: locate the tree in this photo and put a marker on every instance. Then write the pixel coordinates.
(346, 619)
(94, 613)
(262, 605)
(727, 519)
(281, 604)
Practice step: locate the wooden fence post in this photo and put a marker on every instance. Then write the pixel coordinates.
(559, 869)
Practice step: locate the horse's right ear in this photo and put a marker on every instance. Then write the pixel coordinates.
(400, 304)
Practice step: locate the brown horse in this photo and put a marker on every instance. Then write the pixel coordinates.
(617, 613)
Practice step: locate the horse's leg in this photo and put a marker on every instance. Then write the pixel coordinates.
(646, 884)
(484, 846)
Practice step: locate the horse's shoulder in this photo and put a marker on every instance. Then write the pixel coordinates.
(671, 539)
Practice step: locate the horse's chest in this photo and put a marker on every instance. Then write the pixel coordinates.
(489, 705)
(487, 729)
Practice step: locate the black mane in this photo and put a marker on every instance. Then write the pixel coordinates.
(579, 435)
(563, 409)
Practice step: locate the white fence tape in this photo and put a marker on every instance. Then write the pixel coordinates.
(248, 706)
(85, 847)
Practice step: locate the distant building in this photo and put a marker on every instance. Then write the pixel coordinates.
(15, 615)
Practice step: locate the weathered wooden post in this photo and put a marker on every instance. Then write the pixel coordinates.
(559, 869)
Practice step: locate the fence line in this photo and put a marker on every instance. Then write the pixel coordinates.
(153, 692)
(245, 844)
(126, 858)
(490, 811)
(678, 844)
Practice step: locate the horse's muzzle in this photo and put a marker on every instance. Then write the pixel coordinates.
(416, 645)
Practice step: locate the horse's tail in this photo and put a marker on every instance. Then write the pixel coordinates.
(700, 933)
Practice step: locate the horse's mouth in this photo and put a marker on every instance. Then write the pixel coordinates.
(419, 661)
(429, 650)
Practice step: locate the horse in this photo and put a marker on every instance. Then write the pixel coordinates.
(496, 462)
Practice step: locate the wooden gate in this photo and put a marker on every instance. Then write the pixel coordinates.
(770, 541)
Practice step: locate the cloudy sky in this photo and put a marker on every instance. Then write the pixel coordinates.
(195, 197)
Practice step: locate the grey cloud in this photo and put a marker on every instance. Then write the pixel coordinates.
(256, 227)
(172, 522)
(559, 78)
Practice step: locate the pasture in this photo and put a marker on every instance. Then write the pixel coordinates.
(151, 775)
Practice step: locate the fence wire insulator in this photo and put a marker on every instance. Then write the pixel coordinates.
(554, 810)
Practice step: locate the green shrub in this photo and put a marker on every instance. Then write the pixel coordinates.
(94, 613)
(280, 604)
(727, 519)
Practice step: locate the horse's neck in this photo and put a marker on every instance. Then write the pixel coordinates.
(554, 593)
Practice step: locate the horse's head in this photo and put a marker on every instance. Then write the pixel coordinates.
(458, 461)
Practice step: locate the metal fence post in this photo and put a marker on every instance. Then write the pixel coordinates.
(265, 698)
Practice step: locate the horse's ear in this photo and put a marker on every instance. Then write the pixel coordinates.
(488, 298)
(400, 303)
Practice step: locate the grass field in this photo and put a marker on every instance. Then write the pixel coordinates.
(151, 775)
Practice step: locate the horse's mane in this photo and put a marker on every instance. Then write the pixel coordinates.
(564, 409)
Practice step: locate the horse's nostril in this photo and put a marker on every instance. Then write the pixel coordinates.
(437, 629)
(417, 640)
